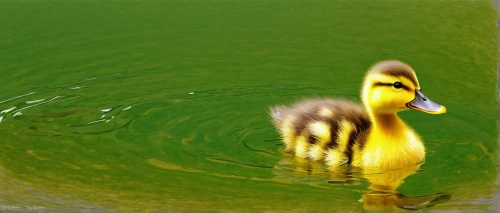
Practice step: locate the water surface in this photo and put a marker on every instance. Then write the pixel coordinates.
(162, 105)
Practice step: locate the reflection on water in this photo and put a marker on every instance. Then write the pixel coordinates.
(385, 193)
(383, 187)
(380, 201)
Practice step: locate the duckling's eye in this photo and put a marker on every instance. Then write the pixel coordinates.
(398, 85)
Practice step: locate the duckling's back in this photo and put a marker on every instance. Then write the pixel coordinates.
(332, 130)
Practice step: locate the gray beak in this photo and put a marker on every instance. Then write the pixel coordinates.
(424, 104)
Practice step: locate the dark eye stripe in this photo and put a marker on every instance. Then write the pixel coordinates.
(382, 84)
(389, 84)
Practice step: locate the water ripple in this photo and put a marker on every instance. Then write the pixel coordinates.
(207, 124)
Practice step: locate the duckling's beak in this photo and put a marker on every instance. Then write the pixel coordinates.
(425, 104)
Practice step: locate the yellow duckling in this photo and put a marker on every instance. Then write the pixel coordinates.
(340, 132)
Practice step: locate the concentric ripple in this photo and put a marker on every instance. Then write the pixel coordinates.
(191, 129)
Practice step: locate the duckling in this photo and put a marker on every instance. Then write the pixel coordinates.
(341, 132)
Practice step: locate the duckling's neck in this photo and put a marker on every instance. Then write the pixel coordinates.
(386, 122)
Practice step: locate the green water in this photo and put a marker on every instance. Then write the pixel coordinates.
(162, 105)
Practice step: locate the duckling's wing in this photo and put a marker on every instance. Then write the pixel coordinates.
(319, 128)
(314, 109)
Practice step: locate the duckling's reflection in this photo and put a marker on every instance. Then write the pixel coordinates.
(383, 194)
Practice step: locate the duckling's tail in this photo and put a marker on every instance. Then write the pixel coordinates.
(277, 113)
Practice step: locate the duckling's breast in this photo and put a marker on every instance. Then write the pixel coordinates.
(330, 130)
(396, 149)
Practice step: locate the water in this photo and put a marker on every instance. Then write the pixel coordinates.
(162, 105)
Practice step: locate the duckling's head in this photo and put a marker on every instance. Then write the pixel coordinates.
(392, 86)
